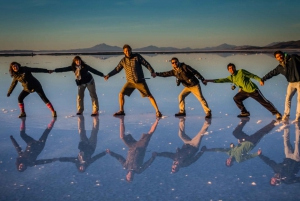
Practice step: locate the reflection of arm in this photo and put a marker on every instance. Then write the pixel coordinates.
(153, 127)
(167, 155)
(193, 159)
(145, 165)
(245, 157)
(96, 157)
(43, 161)
(16, 145)
(120, 158)
(68, 159)
(218, 149)
(268, 161)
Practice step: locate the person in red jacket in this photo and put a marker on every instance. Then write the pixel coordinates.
(30, 84)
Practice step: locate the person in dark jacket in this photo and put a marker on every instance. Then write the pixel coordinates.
(136, 153)
(289, 66)
(188, 153)
(83, 79)
(188, 76)
(132, 64)
(28, 158)
(86, 146)
(30, 84)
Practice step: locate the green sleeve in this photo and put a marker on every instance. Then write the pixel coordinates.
(250, 75)
(223, 80)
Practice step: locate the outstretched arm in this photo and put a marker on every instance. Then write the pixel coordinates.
(146, 164)
(120, 158)
(96, 72)
(12, 87)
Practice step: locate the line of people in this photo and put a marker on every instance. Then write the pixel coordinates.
(289, 66)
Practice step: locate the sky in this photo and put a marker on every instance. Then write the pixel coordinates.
(71, 24)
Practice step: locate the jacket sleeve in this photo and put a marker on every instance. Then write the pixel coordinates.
(96, 157)
(35, 70)
(165, 74)
(63, 69)
(116, 69)
(250, 75)
(270, 74)
(192, 160)
(196, 73)
(96, 72)
(223, 80)
(167, 155)
(268, 161)
(68, 159)
(12, 86)
(120, 158)
(145, 63)
(145, 165)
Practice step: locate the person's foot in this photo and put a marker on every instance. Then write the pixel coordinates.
(244, 114)
(54, 114)
(23, 114)
(278, 116)
(208, 115)
(120, 113)
(94, 114)
(180, 114)
(158, 114)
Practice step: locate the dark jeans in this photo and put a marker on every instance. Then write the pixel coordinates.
(256, 95)
(39, 91)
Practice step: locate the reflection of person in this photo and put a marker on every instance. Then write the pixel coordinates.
(242, 79)
(187, 154)
(86, 146)
(28, 158)
(132, 64)
(186, 75)
(246, 143)
(286, 171)
(30, 84)
(289, 66)
(136, 153)
(84, 79)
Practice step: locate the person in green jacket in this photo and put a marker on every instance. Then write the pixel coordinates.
(247, 88)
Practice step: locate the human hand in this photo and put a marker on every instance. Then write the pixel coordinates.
(153, 75)
(204, 82)
(106, 77)
(204, 148)
(8, 95)
(50, 71)
(261, 83)
(259, 152)
(107, 151)
(154, 154)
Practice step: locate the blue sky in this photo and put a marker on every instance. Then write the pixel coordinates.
(69, 24)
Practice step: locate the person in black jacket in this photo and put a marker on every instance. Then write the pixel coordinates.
(186, 75)
(83, 79)
(289, 66)
(30, 84)
(28, 158)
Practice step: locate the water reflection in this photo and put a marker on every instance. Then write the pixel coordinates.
(86, 146)
(187, 154)
(134, 163)
(286, 171)
(246, 143)
(28, 158)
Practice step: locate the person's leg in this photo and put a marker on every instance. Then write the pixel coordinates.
(92, 89)
(297, 143)
(196, 90)
(297, 86)
(239, 98)
(290, 92)
(287, 144)
(181, 132)
(41, 93)
(258, 96)
(181, 99)
(94, 133)
(196, 141)
(127, 89)
(80, 98)
(153, 103)
(21, 97)
(121, 101)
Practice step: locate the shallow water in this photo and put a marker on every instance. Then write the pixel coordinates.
(203, 178)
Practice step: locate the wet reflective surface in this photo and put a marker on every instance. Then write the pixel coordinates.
(139, 157)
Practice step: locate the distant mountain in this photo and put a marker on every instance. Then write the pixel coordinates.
(223, 46)
(278, 46)
(271, 44)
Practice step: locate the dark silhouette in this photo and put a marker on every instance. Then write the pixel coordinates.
(28, 158)
(86, 146)
(136, 153)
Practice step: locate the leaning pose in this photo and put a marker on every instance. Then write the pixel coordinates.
(83, 79)
(30, 84)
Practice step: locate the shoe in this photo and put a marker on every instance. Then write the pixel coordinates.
(120, 113)
(158, 114)
(54, 114)
(278, 116)
(208, 115)
(180, 114)
(79, 113)
(244, 114)
(23, 114)
(94, 114)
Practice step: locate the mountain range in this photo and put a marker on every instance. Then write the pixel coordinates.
(223, 47)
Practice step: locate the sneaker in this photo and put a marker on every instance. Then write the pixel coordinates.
(244, 114)
(23, 114)
(54, 114)
(278, 116)
(180, 114)
(120, 113)
(208, 115)
(158, 114)
(94, 114)
(79, 113)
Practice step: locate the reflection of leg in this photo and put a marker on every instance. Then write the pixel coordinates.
(287, 145)
(181, 132)
(184, 93)
(239, 98)
(92, 89)
(298, 101)
(256, 137)
(195, 142)
(290, 92)
(80, 98)
(297, 145)
(196, 90)
(94, 133)
(26, 137)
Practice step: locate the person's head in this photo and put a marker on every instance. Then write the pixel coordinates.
(279, 56)
(81, 168)
(77, 61)
(127, 50)
(229, 162)
(21, 164)
(231, 68)
(129, 176)
(175, 167)
(14, 67)
(175, 62)
(275, 180)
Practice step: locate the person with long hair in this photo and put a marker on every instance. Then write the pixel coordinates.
(30, 84)
(83, 79)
